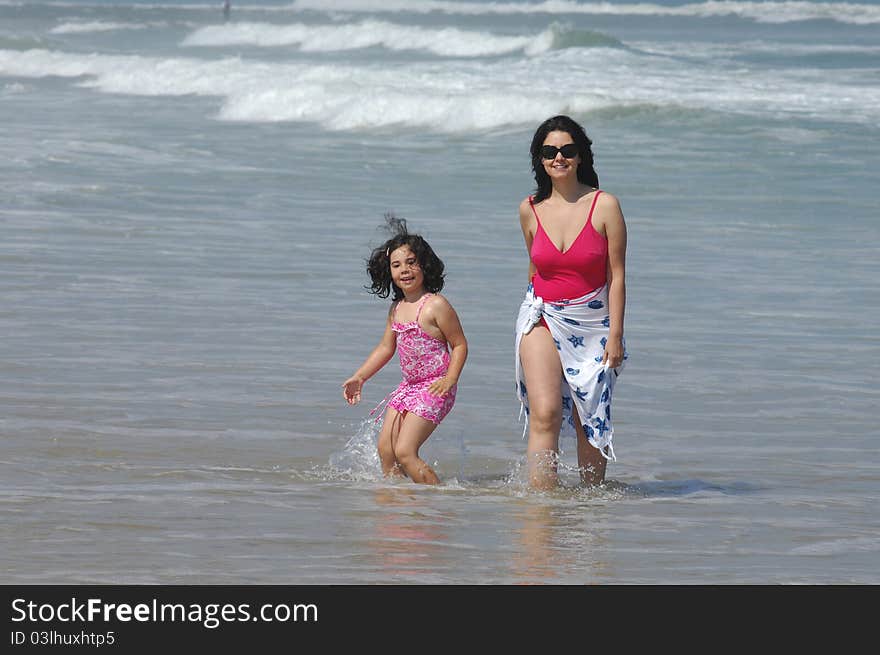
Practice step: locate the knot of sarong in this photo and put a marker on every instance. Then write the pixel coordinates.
(536, 310)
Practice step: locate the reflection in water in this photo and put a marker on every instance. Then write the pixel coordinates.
(537, 558)
(411, 539)
(558, 544)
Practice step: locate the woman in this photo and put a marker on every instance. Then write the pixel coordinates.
(569, 342)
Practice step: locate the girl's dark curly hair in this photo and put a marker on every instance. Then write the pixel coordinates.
(379, 263)
(586, 174)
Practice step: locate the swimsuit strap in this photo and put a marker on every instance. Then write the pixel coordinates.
(422, 304)
(418, 311)
(592, 207)
(534, 211)
(589, 216)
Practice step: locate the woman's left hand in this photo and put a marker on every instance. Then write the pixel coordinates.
(613, 356)
(441, 387)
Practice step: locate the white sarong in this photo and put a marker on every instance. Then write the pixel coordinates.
(580, 330)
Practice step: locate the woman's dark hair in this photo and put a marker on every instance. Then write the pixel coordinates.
(379, 263)
(586, 174)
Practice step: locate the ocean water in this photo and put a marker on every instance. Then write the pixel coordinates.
(187, 204)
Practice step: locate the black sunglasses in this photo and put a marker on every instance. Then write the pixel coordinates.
(569, 151)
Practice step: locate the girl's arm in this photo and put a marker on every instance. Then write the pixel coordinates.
(446, 319)
(526, 218)
(351, 388)
(615, 231)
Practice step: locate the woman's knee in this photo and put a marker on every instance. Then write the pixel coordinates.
(545, 416)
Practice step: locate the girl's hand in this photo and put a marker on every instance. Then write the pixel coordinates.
(613, 356)
(441, 387)
(351, 390)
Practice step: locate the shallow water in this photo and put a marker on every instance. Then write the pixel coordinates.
(181, 275)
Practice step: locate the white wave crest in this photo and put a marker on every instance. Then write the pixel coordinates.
(743, 48)
(444, 42)
(96, 26)
(461, 95)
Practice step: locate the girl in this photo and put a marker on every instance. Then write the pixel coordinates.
(425, 328)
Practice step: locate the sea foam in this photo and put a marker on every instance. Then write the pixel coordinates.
(461, 94)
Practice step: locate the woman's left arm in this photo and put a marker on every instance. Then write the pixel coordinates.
(615, 232)
(446, 319)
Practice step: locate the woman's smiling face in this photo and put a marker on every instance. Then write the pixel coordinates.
(560, 166)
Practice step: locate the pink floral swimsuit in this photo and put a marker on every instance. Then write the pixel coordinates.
(423, 359)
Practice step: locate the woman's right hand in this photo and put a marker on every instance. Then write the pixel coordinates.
(351, 390)
(614, 351)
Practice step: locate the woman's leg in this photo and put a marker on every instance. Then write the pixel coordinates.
(591, 462)
(543, 373)
(387, 437)
(414, 431)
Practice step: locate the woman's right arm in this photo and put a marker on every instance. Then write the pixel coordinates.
(351, 388)
(528, 224)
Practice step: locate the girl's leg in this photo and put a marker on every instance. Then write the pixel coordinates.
(591, 463)
(414, 431)
(387, 437)
(543, 372)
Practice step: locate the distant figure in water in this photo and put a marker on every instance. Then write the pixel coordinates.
(226, 8)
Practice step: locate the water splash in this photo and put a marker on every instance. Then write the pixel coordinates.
(359, 459)
(569, 483)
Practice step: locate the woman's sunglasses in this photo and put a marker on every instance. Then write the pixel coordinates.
(569, 151)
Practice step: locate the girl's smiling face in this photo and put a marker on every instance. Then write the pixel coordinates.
(406, 273)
